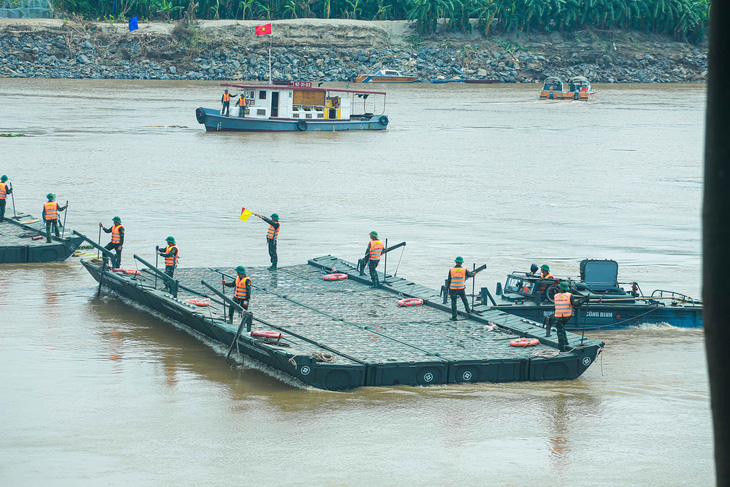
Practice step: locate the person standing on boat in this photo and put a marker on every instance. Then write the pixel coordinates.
(242, 105)
(373, 253)
(50, 216)
(171, 254)
(456, 282)
(545, 272)
(272, 235)
(5, 189)
(117, 241)
(226, 100)
(565, 302)
(243, 290)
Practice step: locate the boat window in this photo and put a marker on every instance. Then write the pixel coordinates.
(262, 95)
(261, 111)
(391, 73)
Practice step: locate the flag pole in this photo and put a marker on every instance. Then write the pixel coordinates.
(270, 41)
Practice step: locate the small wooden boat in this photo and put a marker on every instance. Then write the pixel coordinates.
(385, 76)
(298, 106)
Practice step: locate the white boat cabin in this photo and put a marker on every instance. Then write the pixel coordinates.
(301, 101)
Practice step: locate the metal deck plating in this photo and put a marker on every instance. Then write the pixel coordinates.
(373, 341)
(15, 249)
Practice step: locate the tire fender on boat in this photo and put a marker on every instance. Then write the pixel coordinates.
(302, 125)
(524, 342)
(200, 115)
(384, 120)
(410, 302)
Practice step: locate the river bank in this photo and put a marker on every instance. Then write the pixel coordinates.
(334, 50)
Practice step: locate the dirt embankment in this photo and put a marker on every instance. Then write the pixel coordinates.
(334, 50)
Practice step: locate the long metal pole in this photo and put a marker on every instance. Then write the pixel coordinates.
(385, 268)
(12, 195)
(65, 213)
(101, 277)
(157, 256)
(98, 252)
(473, 284)
(270, 41)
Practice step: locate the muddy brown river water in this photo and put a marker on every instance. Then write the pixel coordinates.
(100, 392)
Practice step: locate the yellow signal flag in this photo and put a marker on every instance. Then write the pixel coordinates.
(245, 214)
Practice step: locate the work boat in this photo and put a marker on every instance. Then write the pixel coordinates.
(609, 305)
(385, 76)
(298, 107)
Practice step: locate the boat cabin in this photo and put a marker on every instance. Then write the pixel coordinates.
(302, 101)
(553, 83)
(580, 84)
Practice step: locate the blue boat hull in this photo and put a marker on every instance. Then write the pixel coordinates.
(214, 122)
(615, 316)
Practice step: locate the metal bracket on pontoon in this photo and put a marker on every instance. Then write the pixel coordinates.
(105, 252)
(172, 283)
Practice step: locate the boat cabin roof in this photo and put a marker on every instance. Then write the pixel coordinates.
(553, 78)
(579, 79)
(301, 88)
(388, 72)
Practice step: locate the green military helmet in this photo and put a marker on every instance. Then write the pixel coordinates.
(226, 90)
(51, 196)
(545, 267)
(240, 269)
(4, 178)
(459, 260)
(275, 216)
(564, 286)
(117, 219)
(374, 234)
(170, 239)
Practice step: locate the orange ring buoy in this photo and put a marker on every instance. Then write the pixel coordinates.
(335, 277)
(524, 342)
(266, 334)
(198, 302)
(131, 272)
(410, 302)
(336, 102)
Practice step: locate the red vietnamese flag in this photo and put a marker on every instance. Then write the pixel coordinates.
(262, 30)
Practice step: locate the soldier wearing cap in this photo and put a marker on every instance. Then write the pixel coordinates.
(545, 272)
(242, 293)
(272, 235)
(373, 252)
(456, 282)
(565, 302)
(50, 216)
(5, 189)
(117, 241)
(226, 101)
(171, 254)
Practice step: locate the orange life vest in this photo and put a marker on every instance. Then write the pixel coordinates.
(51, 210)
(116, 234)
(242, 101)
(458, 278)
(376, 249)
(548, 276)
(563, 306)
(273, 233)
(226, 97)
(241, 292)
(3, 191)
(171, 260)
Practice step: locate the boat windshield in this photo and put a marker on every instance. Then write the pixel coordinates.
(552, 85)
(521, 285)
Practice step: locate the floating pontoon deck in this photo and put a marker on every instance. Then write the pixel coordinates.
(339, 335)
(17, 245)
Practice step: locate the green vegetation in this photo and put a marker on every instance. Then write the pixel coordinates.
(683, 19)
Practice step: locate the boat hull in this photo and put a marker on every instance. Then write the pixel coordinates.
(215, 122)
(559, 95)
(385, 79)
(612, 317)
(14, 250)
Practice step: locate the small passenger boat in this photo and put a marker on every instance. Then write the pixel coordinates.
(609, 305)
(385, 76)
(580, 89)
(552, 89)
(298, 106)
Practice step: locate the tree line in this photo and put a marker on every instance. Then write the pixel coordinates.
(683, 19)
